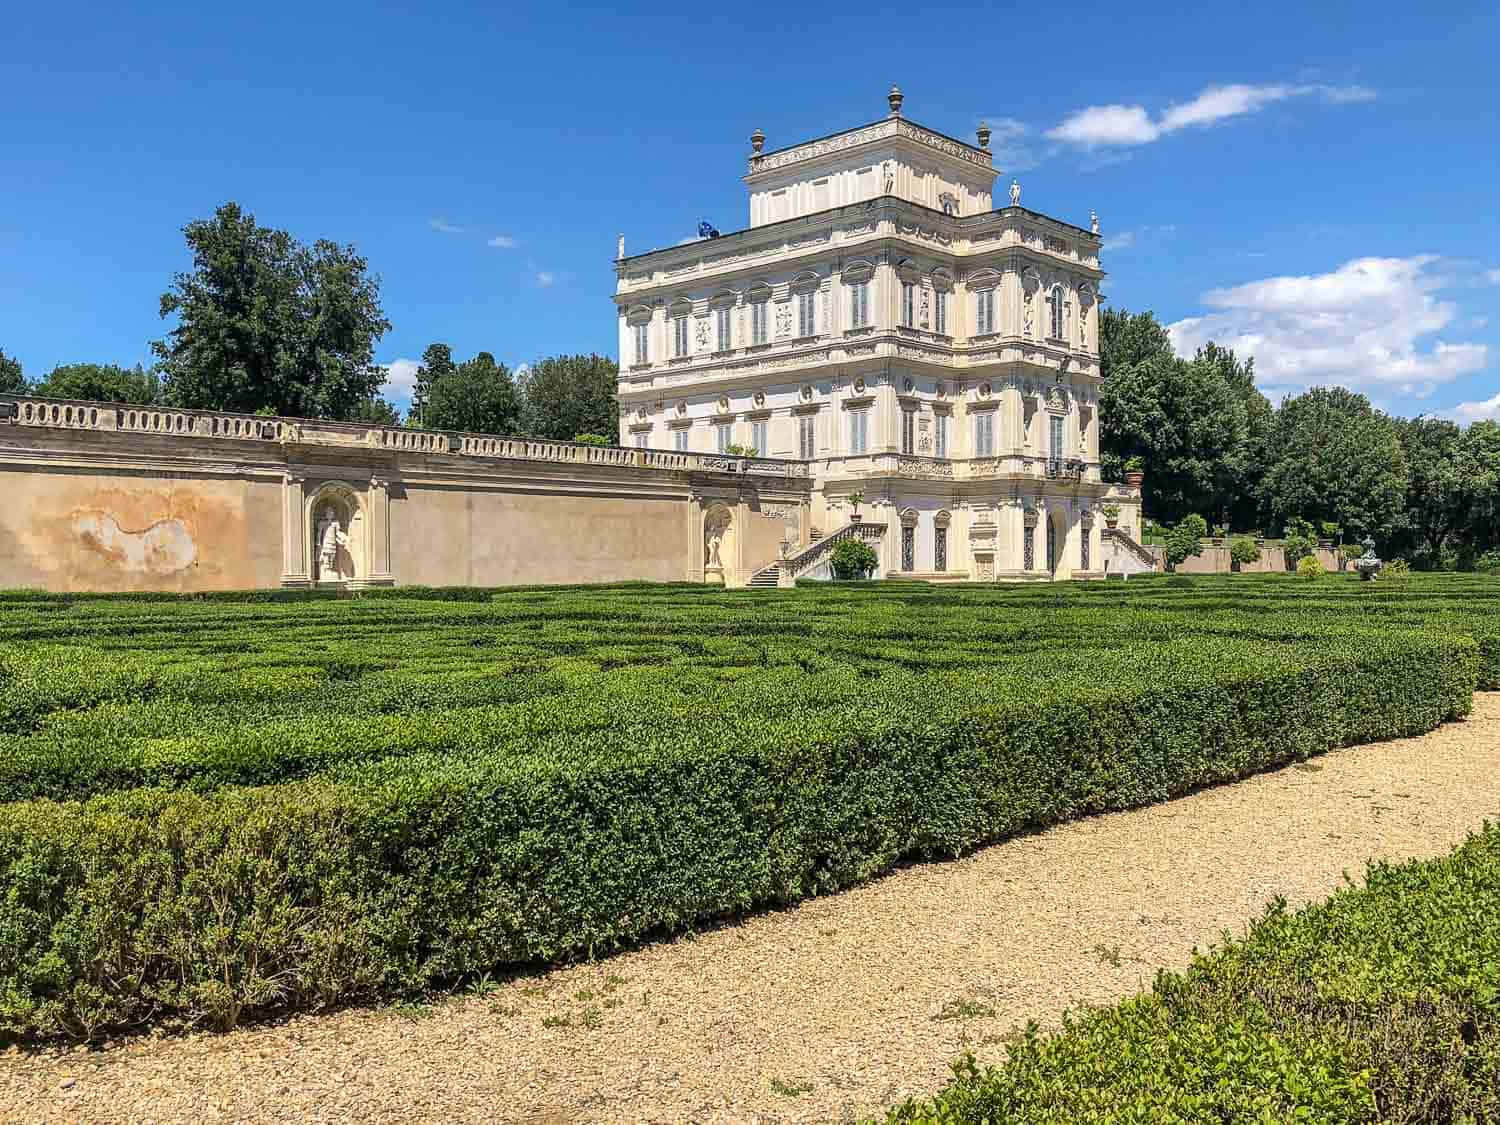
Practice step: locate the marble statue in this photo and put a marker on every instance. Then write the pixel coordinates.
(1093, 223)
(620, 253)
(1015, 193)
(331, 537)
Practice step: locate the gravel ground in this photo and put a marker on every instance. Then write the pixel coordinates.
(830, 1010)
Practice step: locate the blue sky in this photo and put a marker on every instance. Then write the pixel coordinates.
(1316, 184)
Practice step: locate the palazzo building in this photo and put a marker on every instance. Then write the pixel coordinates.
(881, 320)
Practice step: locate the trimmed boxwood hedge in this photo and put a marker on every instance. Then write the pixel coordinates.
(1380, 1004)
(216, 809)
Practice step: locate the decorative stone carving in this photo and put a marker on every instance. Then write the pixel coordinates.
(908, 386)
(334, 561)
(922, 314)
(783, 318)
(1094, 221)
(891, 127)
(1055, 245)
(760, 398)
(723, 404)
(700, 332)
(926, 470)
(985, 390)
(807, 392)
(859, 386)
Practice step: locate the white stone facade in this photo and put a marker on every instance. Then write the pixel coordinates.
(880, 321)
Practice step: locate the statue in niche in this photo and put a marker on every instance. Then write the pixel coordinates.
(922, 318)
(890, 178)
(716, 536)
(331, 540)
(1027, 293)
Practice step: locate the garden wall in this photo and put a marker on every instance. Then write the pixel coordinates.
(122, 498)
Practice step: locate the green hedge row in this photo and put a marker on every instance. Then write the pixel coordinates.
(382, 877)
(1381, 1004)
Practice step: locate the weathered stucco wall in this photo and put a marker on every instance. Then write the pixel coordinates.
(82, 530)
(445, 536)
(99, 497)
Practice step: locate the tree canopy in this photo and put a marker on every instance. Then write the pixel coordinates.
(476, 396)
(266, 323)
(102, 382)
(12, 380)
(570, 394)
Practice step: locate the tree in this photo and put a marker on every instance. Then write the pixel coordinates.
(477, 396)
(102, 382)
(1335, 457)
(265, 322)
(1243, 551)
(437, 361)
(377, 412)
(1199, 425)
(12, 381)
(853, 558)
(570, 394)
(1299, 542)
(1185, 541)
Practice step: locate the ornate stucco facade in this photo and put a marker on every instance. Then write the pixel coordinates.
(881, 321)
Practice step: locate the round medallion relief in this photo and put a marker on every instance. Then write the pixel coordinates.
(859, 386)
(723, 402)
(909, 386)
(984, 390)
(807, 393)
(682, 406)
(760, 398)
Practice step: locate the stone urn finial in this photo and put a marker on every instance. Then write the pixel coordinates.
(757, 142)
(895, 97)
(984, 135)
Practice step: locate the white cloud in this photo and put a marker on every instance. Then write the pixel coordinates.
(400, 378)
(1488, 410)
(1121, 241)
(1125, 239)
(443, 226)
(502, 242)
(1012, 146)
(1132, 125)
(1493, 276)
(1361, 326)
(545, 278)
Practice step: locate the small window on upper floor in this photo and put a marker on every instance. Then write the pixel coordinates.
(984, 312)
(1058, 304)
(908, 304)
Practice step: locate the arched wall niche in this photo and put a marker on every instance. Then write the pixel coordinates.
(338, 538)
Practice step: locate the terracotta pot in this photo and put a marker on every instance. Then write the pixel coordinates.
(1134, 479)
(855, 517)
(1111, 521)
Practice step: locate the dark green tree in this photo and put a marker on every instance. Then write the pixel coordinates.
(264, 322)
(102, 382)
(12, 380)
(1126, 339)
(1443, 483)
(477, 396)
(570, 394)
(1185, 541)
(377, 412)
(1335, 457)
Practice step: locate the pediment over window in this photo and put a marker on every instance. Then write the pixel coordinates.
(984, 279)
(638, 314)
(804, 281)
(859, 270)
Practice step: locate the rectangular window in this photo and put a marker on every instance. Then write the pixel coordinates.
(758, 320)
(758, 438)
(859, 431)
(725, 439)
(806, 443)
(984, 434)
(807, 323)
(940, 312)
(1056, 444)
(679, 336)
(640, 440)
(908, 432)
(984, 312)
(859, 304)
(680, 440)
(721, 326)
(940, 548)
(908, 304)
(940, 424)
(642, 345)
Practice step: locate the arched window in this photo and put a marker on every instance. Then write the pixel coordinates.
(1056, 298)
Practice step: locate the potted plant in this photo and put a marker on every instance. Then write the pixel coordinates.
(1135, 472)
(855, 500)
(1111, 515)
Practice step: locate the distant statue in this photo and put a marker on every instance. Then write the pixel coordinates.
(890, 178)
(715, 537)
(1015, 193)
(1369, 564)
(1093, 223)
(620, 253)
(331, 537)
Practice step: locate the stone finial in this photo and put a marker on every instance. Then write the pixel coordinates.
(620, 252)
(895, 97)
(1094, 221)
(757, 142)
(984, 134)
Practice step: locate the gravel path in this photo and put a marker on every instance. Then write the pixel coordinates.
(829, 1010)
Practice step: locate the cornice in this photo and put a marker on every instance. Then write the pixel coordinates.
(887, 129)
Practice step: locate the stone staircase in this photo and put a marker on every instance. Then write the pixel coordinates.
(814, 558)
